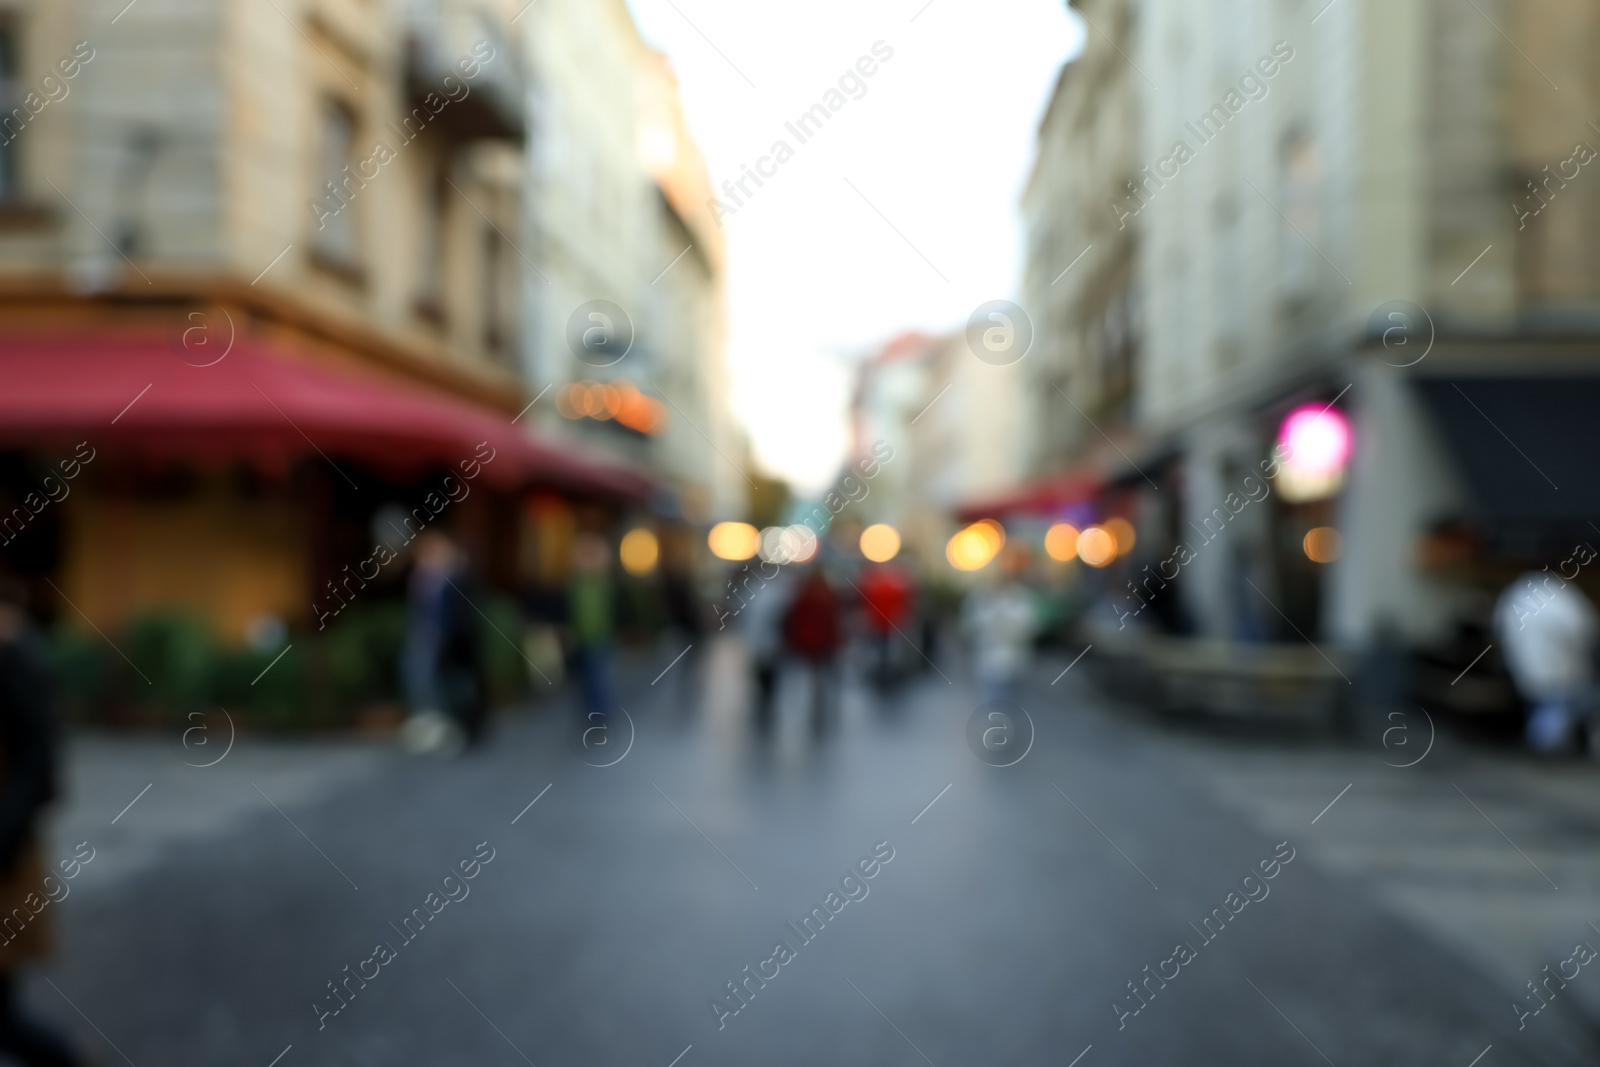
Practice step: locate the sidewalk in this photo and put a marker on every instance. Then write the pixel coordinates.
(133, 798)
(1514, 895)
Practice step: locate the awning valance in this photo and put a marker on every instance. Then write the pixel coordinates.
(1043, 497)
(132, 393)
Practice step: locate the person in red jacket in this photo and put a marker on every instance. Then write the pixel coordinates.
(812, 632)
(886, 596)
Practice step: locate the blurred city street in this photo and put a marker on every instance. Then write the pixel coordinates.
(590, 532)
(1019, 904)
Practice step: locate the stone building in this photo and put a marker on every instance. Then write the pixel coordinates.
(1078, 280)
(1377, 212)
(627, 256)
(264, 258)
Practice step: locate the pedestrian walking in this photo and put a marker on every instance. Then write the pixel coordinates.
(886, 595)
(1000, 622)
(591, 618)
(29, 753)
(441, 666)
(1547, 631)
(812, 634)
(763, 619)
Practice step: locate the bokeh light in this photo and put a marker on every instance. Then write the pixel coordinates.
(639, 551)
(788, 544)
(1096, 546)
(1316, 440)
(974, 546)
(1121, 531)
(880, 542)
(1323, 544)
(1061, 542)
(733, 540)
(800, 543)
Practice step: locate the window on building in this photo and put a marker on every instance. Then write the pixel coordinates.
(1301, 173)
(494, 291)
(338, 189)
(10, 97)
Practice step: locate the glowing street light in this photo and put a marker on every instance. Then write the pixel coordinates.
(880, 542)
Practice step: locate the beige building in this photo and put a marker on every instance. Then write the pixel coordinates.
(1079, 282)
(937, 405)
(616, 195)
(296, 224)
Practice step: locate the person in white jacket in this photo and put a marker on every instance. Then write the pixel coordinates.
(1000, 621)
(1547, 631)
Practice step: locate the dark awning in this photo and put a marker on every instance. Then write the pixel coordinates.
(1528, 451)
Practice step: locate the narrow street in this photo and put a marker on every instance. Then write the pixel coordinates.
(1008, 909)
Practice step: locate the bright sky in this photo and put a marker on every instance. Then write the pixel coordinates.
(940, 144)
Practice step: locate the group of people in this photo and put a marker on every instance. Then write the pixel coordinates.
(802, 617)
(1546, 628)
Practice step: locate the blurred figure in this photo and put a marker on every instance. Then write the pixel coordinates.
(812, 634)
(763, 619)
(1548, 636)
(591, 615)
(686, 614)
(544, 610)
(29, 750)
(886, 592)
(1000, 622)
(442, 657)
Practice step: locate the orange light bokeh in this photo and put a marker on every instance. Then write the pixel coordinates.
(1061, 542)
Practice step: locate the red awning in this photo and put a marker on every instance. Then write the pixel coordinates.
(134, 394)
(1043, 497)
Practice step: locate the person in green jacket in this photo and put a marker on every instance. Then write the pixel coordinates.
(591, 618)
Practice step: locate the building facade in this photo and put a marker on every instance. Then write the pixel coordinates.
(627, 260)
(1373, 211)
(264, 260)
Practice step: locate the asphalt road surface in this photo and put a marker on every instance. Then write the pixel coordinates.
(1010, 915)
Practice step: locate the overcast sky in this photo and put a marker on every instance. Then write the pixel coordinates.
(940, 144)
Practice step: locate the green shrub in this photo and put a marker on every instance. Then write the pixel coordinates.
(321, 683)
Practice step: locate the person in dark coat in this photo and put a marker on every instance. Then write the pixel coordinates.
(442, 667)
(29, 748)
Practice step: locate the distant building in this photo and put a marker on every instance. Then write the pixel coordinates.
(616, 197)
(1079, 279)
(944, 412)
